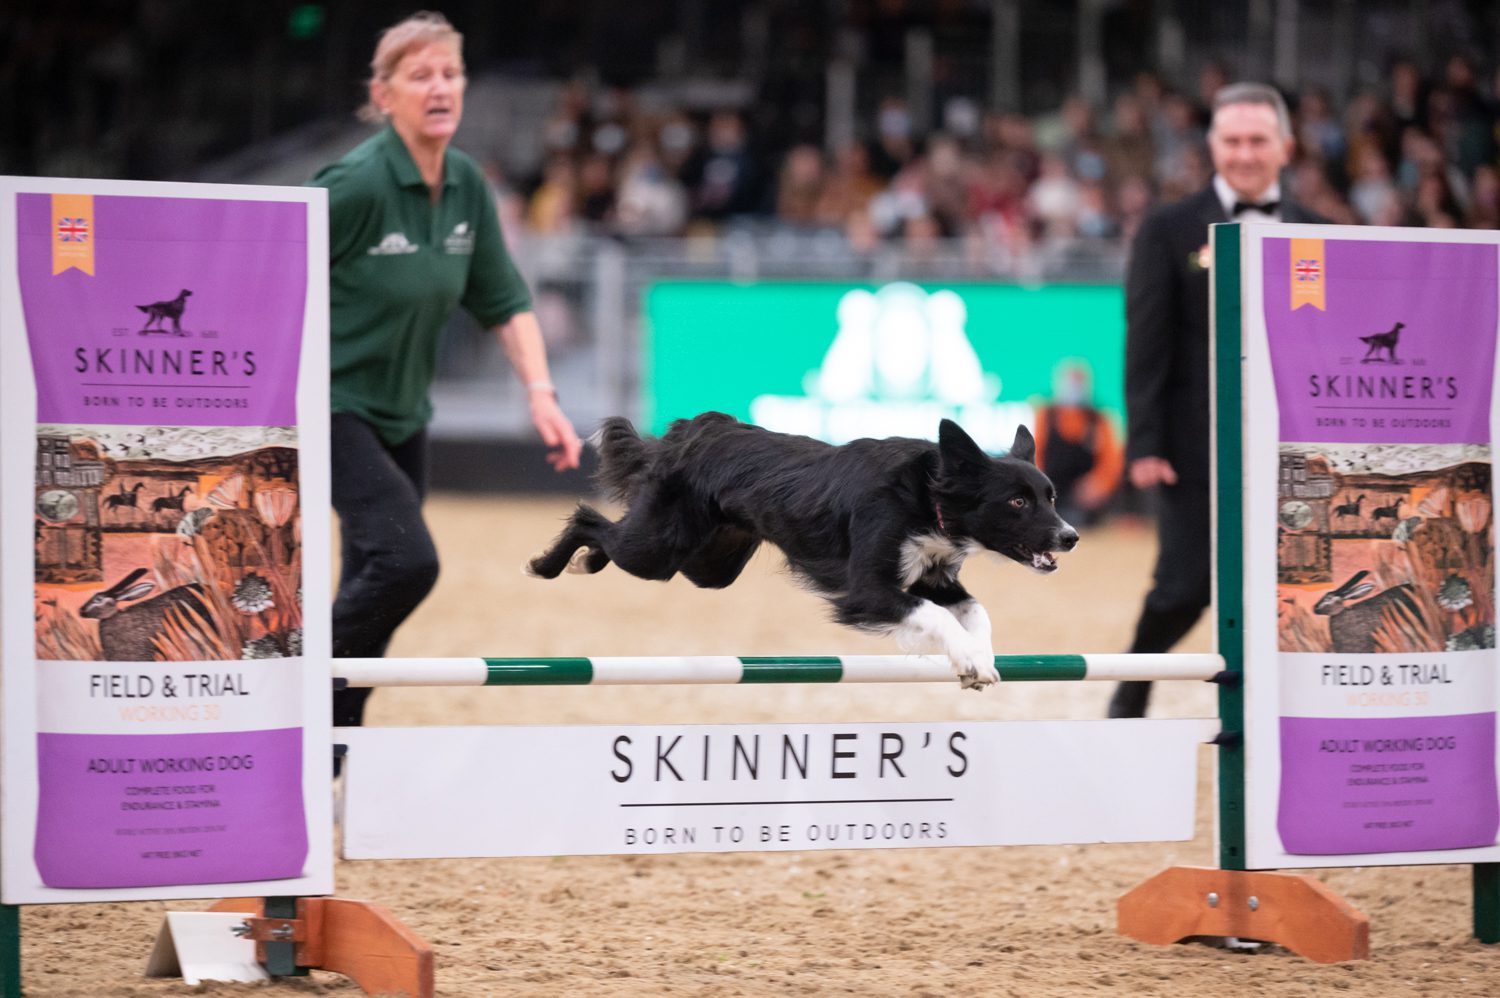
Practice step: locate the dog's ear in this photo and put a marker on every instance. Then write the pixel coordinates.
(1023, 447)
(957, 448)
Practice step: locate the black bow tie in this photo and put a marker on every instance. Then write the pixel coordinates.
(1240, 207)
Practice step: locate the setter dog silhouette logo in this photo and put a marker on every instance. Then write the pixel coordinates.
(1376, 343)
(160, 312)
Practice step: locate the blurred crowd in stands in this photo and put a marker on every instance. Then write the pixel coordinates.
(1420, 151)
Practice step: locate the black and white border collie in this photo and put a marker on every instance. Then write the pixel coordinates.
(878, 527)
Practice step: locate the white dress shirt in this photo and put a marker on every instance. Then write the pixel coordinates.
(1227, 198)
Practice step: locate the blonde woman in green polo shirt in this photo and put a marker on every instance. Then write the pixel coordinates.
(412, 233)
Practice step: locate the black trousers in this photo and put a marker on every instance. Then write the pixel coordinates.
(389, 563)
(1181, 587)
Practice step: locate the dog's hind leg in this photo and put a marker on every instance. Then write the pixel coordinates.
(721, 559)
(587, 561)
(585, 532)
(656, 537)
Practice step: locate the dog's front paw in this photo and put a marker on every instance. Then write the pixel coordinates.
(974, 666)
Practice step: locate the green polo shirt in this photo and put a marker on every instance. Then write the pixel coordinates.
(398, 263)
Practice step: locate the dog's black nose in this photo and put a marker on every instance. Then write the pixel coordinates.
(1067, 539)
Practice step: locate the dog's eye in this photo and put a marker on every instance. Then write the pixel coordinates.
(1019, 502)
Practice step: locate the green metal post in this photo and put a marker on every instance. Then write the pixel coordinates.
(1228, 410)
(10, 951)
(281, 958)
(1487, 902)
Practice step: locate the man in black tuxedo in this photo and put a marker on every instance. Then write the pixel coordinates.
(1166, 357)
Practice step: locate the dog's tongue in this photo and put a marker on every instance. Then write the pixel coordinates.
(1042, 561)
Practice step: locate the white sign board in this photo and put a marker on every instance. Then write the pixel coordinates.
(601, 790)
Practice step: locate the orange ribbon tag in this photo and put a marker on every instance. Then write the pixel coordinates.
(1308, 274)
(73, 232)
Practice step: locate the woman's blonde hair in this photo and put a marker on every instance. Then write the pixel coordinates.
(425, 27)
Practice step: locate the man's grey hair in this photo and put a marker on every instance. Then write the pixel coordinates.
(1255, 93)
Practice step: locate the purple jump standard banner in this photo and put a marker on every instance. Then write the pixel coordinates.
(169, 342)
(1372, 697)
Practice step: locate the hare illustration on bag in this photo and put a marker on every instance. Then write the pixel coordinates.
(1352, 626)
(129, 633)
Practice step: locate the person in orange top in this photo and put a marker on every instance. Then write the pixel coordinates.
(1077, 447)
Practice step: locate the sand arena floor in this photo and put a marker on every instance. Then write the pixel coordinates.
(924, 922)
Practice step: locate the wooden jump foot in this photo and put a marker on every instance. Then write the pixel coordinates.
(1290, 909)
(360, 940)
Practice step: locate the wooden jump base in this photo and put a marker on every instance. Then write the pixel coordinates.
(360, 940)
(731, 670)
(1290, 909)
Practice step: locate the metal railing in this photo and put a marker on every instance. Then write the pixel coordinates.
(588, 292)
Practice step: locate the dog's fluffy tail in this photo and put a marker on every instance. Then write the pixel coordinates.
(624, 457)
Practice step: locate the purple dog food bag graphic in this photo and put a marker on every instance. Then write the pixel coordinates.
(164, 336)
(1383, 357)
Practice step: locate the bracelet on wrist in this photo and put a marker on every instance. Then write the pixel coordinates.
(541, 386)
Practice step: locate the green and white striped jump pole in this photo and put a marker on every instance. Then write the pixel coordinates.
(730, 669)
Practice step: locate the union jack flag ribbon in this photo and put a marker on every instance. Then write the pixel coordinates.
(73, 230)
(72, 233)
(1309, 274)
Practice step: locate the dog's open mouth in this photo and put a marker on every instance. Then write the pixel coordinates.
(1041, 561)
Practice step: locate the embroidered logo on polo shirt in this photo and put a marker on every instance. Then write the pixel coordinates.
(394, 244)
(460, 240)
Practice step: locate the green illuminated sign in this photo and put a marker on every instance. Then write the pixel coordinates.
(839, 361)
(306, 21)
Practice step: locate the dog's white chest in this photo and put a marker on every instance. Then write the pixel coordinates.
(931, 554)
